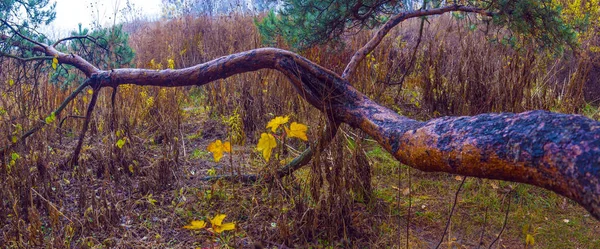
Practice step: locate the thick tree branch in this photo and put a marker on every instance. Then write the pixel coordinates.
(555, 151)
(395, 20)
(78, 62)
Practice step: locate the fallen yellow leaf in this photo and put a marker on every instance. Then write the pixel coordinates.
(196, 225)
(218, 226)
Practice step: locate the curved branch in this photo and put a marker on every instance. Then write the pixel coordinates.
(395, 20)
(555, 151)
(78, 62)
(76, 37)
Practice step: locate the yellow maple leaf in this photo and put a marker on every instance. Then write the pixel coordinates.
(217, 148)
(276, 122)
(218, 226)
(196, 225)
(266, 143)
(297, 130)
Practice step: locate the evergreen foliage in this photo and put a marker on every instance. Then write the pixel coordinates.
(27, 13)
(106, 48)
(304, 23)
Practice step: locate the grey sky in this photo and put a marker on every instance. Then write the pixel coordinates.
(71, 12)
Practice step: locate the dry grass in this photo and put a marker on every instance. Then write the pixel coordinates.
(140, 195)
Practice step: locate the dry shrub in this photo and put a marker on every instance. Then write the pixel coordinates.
(456, 72)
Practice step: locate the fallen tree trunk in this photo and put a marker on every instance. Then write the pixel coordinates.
(555, 151)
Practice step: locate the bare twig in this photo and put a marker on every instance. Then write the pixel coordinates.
(451, 211)
(412, 57)
(35, 58)
(54, 207)
(409, 208)
(483, 228)
(88, 115)
(77, 37)
(65, 118)
(395, 20)
(57, 112)
(21, 35)
(505, 220)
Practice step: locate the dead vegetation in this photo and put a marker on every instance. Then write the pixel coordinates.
(139, 178)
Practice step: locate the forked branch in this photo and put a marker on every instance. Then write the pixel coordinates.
(555, 151)
(558, 152)
(395, 20)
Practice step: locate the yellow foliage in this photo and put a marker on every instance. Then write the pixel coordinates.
(54, 63)
(218, 226)
(217, 148)
(266, 144)
(529, 240)
(297, 130)
(276, 122)
(196, 225)
(171, 64)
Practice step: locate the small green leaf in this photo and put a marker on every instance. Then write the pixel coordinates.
(14, 156)
(50, 118)
(121, 143)
(211, 172)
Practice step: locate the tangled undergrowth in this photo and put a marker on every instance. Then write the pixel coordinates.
(140, 180)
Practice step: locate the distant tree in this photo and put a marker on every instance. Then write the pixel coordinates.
(558, 152)
(265, 5)
(175, 8)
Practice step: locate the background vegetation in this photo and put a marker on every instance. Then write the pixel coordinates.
(140, 179)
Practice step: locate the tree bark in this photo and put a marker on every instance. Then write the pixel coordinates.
(555, 151)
